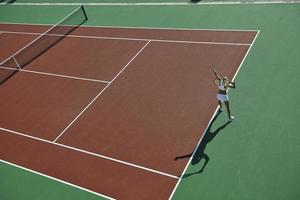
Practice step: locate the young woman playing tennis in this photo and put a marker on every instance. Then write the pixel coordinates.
(223, 84)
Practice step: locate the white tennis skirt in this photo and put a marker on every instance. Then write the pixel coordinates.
(222, 97)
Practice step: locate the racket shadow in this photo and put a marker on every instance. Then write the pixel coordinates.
(200, 151)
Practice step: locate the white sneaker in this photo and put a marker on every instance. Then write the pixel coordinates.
(231, 118)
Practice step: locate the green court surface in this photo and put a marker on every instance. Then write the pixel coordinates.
(143, 1)
(255, 157)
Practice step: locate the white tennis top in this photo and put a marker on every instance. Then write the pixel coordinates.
(222, 85)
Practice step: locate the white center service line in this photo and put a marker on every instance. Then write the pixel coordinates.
(100, 93)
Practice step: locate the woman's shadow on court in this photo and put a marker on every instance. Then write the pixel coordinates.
(200, 154)
(8, 1)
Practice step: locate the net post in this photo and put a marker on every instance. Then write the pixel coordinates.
(86, 17)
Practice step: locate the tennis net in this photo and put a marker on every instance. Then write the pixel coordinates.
(42, 43)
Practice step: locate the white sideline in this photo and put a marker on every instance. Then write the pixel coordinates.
(133, 39)
(90, 153)
(216, 110)
(56, 179)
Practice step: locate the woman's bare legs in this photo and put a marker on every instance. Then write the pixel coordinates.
(230, 117)
(220, 106)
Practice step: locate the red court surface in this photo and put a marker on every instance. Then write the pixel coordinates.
(108, 109)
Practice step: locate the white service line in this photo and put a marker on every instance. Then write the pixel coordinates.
(92, 154)
(135, 39)
(65, 76)
(57, 75)
(199, 142)
(72, 122)
(137, 27)
(56, 179)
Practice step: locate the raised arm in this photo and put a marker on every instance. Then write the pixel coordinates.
(216, 74)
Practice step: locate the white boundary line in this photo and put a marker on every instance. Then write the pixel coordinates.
(101, 92)
(41, 35)
(137, 166)
(199, 142)
(245, 55)
(133, 39)
(188, 163)
(57, 75)
(151, 3)
(110, 38)
(91, 153)
(66, 76)
(55, 179)
(134, 27)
